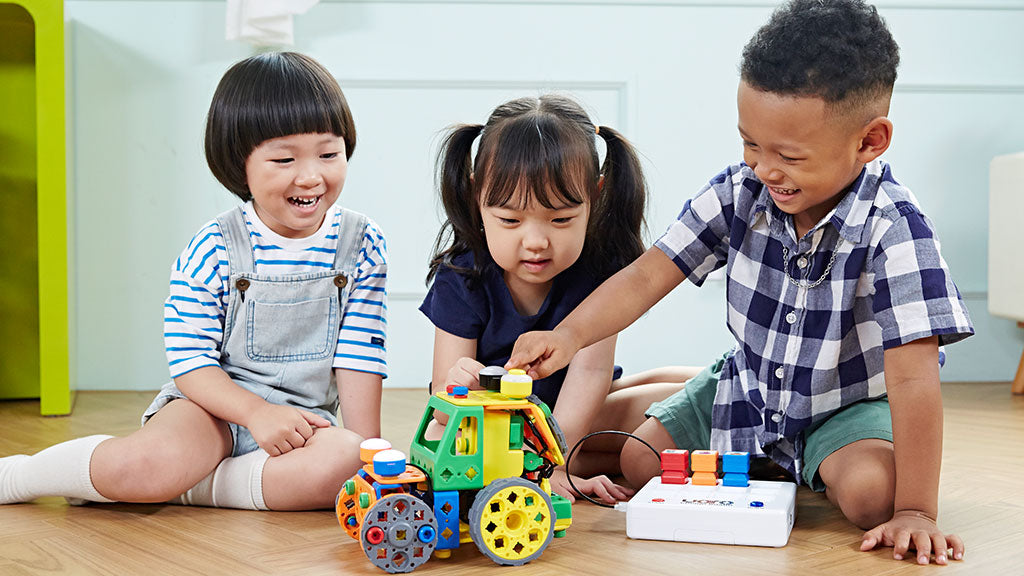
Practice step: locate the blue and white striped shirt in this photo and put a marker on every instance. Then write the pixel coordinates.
(194, 312)
(805, 351)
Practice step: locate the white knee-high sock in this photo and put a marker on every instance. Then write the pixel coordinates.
(235, 483)
(60, 470)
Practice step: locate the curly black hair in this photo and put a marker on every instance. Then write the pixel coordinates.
(838, 50)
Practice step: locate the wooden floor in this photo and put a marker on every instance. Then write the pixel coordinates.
(982, 499)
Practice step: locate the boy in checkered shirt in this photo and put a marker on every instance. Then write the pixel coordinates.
(837, 294)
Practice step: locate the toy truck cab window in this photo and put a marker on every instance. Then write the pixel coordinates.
(420, 438)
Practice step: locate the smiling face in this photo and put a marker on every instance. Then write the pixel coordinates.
(533, 244)
(805, 154)
(295, 179)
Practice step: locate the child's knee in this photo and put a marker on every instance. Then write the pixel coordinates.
(864, 492)
(638, 463)
(867, 506)
(340, 448)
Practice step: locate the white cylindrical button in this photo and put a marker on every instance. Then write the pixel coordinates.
(779, 372)
(776, 417)
(801, 262)
(389, 462)
(791, 317)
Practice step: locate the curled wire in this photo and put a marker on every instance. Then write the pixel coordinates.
(580, 443)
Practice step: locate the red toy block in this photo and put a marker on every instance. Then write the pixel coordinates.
(704, 479)
(673, 477)
(705, 461)
(676, 460)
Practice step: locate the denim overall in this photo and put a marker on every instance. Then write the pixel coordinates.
(281, 331)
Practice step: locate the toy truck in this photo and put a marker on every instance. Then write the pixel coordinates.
(484, 481)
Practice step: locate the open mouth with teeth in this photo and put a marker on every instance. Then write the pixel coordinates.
(785, 191)
(304, 201)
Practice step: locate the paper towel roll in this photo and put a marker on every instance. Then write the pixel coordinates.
(264, 22)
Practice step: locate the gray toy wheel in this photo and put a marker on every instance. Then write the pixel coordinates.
(399, 533)
(511, 521)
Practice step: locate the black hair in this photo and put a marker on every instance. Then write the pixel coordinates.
(546, 146)
(269, 96)
(838, 50)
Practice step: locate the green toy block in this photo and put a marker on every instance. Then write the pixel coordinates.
(515, 434)
(562, 506)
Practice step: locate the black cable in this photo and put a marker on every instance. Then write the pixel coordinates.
(580, 443)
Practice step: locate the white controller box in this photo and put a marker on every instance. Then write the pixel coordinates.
(760, 514)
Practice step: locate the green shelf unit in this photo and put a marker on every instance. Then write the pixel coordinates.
(35, 285)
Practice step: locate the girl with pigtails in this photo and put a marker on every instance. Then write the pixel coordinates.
(534, 223)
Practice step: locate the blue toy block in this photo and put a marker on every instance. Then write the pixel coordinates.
(446, 510)
(382, 490)
(736, 463)
(734, 479)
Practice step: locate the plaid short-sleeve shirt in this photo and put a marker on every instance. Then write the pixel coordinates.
(812, 316)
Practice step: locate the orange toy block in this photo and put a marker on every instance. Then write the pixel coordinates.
(704, 461)
(704, 479)
(675, 460)
(673, 477)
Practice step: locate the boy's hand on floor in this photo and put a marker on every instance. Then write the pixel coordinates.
(599, 486)
(912, 529)
(280, 429)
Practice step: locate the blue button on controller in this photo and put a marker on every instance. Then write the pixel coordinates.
(757, 504)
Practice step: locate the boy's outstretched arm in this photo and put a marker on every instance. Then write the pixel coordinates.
(578, 410)
(912, 382)
(613, 306)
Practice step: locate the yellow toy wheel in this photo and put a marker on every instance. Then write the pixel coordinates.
(511, 521)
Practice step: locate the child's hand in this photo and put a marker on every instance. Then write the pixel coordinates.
(465, 372)
(599, 486)
(912, 529)
(280, 429)
(542, 353)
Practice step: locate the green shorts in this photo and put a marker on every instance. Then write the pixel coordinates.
(686, 415)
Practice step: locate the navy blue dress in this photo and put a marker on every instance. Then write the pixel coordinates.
(485, 312)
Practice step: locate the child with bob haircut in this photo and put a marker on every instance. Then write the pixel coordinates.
(534, 223)
(276, 309)
(837, 293)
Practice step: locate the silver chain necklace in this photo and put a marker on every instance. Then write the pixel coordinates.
(803, 283)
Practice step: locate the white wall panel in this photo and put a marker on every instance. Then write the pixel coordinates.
(943, 143)
(662, 71)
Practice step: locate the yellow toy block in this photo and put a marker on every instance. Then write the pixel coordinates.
(516, 384)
